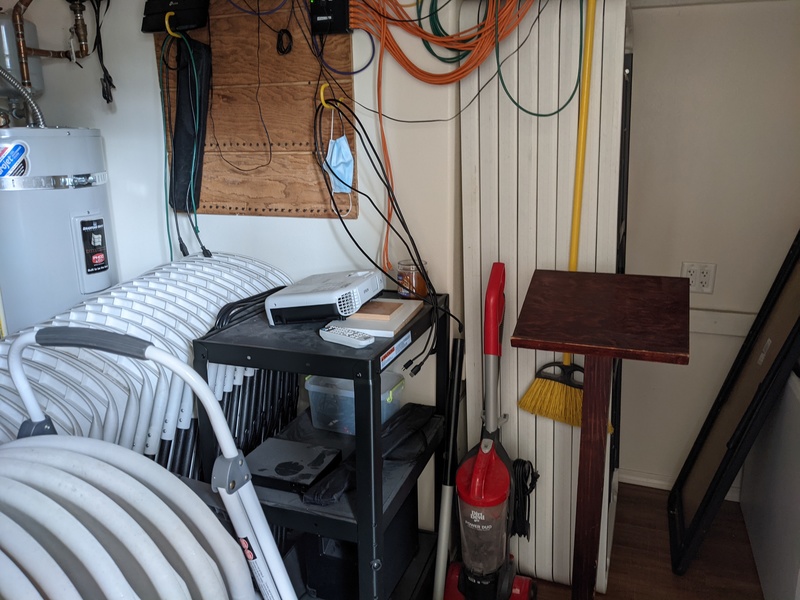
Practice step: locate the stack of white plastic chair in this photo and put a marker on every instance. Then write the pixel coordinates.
(86, 518)
(137, 405)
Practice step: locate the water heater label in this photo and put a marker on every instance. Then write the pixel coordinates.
(93, 236)
(12, 159)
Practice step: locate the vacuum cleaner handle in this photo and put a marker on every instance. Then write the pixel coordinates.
(494, 307)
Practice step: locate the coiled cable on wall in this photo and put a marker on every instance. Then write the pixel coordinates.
(525, 477)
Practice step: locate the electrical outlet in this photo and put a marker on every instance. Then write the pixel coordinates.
(701, 276)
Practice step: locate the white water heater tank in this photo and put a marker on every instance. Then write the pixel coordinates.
(56, 246)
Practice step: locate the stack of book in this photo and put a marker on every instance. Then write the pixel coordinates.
(382, 317)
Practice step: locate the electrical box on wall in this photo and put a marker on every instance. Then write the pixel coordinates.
(330, 16)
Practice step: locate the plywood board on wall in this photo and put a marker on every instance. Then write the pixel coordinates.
(259, 145)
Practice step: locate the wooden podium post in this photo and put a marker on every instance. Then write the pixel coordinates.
(602, 316)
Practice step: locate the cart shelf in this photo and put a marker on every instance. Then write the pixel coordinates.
(338, 520)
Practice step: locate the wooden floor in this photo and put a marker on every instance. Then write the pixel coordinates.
(640, 563)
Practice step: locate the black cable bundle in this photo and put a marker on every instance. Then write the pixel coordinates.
(262, 402)
(106, 82)
(403, 234)
(238, 310)
(525, 477)
(188, 136)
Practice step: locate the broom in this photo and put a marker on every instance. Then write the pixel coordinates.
(558, 395)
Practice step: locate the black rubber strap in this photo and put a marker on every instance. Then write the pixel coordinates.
(83, 337)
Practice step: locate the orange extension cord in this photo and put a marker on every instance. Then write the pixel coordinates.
(478, 41)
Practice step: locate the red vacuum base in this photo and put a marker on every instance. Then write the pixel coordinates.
(523, 587)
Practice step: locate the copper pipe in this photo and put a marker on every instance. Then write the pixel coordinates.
(79, 29)
(19, 31)
(49, 53)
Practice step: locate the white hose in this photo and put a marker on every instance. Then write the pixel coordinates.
(18, 376)
(246, 494)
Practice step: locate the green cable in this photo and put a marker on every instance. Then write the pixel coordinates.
(166, 152)
(438, 30)
(500, 72)
(196, 226)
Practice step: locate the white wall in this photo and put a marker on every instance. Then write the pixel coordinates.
(714, 178)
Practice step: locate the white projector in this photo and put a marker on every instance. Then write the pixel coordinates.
(323, 296)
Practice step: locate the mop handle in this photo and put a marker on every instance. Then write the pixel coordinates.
(446, 503)
(583, 125)
(580, 157)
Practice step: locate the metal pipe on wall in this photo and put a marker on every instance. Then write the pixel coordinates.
(79, 29)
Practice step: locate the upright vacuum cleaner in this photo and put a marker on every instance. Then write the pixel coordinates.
(485, 486)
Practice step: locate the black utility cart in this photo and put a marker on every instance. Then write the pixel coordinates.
(385, 491)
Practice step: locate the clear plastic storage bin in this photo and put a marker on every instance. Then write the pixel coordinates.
(332, 401)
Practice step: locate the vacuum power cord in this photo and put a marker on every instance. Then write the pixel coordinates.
(525, 477)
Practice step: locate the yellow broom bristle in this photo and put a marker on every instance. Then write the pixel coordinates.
(555, 400)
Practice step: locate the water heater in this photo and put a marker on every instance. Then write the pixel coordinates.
(55, 240)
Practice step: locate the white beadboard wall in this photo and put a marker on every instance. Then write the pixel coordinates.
(517, 182)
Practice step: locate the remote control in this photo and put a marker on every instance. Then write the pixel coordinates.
(345, 336)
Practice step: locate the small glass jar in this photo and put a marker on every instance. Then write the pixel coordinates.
(412, 283)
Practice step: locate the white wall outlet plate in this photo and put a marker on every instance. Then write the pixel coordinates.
(701, 276)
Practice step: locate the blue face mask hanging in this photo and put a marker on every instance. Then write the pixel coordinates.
(339, 165)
